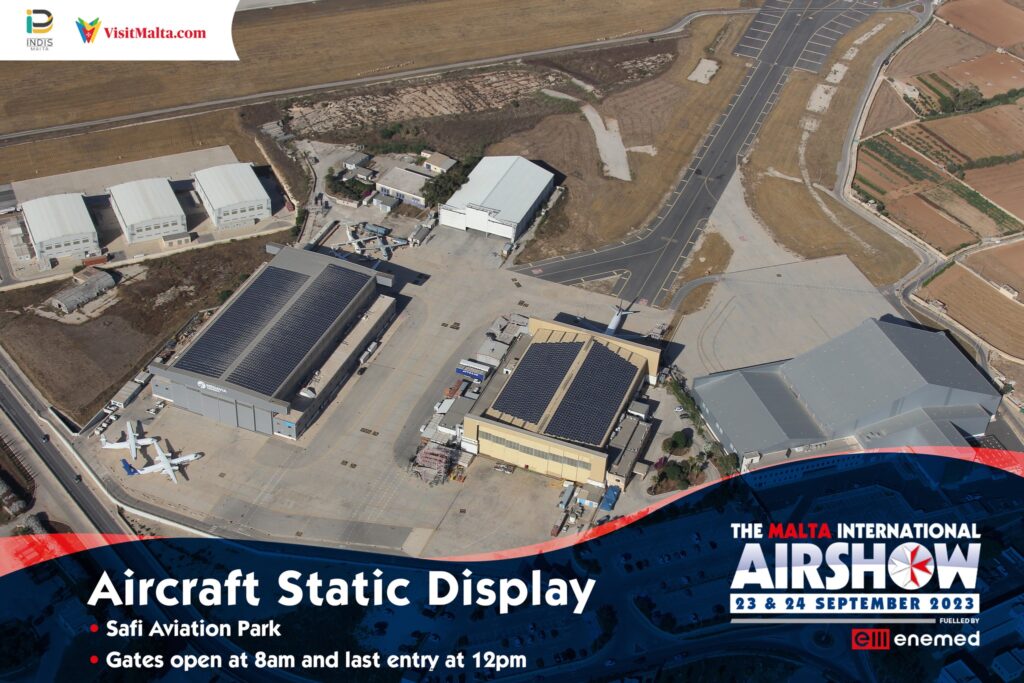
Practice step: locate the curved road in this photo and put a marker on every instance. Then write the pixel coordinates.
(785, 35)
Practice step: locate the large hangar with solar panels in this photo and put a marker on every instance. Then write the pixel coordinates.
(279, 349)
(558, 400)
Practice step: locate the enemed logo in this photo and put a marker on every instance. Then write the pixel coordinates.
(911, 565)
(88, 29)
(38, 21)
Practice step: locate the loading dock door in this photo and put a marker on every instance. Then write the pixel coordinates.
(228, 415)
(246, 417)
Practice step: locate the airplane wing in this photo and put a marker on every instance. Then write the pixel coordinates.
(165, 464)
(112, 444)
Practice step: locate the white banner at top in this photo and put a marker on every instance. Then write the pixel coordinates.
(117, 30)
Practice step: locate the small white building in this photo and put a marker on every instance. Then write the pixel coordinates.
(60, 226)
(147, 209)
(232, 195)
(403, 183)
(500, 198)
(435, 162)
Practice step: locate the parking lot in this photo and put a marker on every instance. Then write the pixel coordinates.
(346, 481)
(824, 39)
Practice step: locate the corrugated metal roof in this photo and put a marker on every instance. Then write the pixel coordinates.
(505, 186)
(59, 215)
(146, 200)
(231, 184)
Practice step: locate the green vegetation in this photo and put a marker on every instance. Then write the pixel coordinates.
(353, 189)
(887, 152)
(865, 182)
(970, 99)
(726, 463)
(946, 266)
(679, 443)
(439, 189)
(1005, 221)
(983, 162)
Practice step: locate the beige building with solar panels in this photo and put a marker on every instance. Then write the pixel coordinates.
(557, 401)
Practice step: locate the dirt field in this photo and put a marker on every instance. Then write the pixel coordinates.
(991, 132)
(1003, 265)
(926, 221)
(287, 48)
(615, 68)
(888, 110)
(979, 307)
(938, 47)
(668, 112)
(130, 143)
(815, 225)
(992, 73)
(78, 367)
(1003, 184)
(994, 21)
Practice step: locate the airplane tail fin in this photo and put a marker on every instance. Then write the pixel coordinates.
(129, 470)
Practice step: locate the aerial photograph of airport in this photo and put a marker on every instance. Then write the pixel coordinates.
(471, 279)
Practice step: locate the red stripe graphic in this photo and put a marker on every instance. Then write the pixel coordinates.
(20, 552)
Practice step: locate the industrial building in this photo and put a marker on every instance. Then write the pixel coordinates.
(884, 384)
(232, 195)
(147, 209)
(86, 285)
(278, 351)
(500, 198)
(60, 226)
(404, 184)
(558, 401)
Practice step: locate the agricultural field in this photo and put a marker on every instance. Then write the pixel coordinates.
(992, 73)
(1004, 185)
(1002, 265)
(663, 118)
(979, 307)
(289, 48)
(888, 110)
(996, 22)
(996, 131)
(794, 142)
(938, 47)
(78, 367)
(925, 200)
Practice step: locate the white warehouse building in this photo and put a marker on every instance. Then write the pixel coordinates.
(500, 198)
(232, 195)
(60, 226)
(147, 209)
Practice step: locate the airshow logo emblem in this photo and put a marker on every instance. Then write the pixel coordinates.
(860, 572)
(910, 566)
(37, 22)
(88, 29)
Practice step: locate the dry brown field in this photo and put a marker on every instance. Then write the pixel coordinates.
(669, 112)
(78, 367)
(332, 40)
(992, 74)
(996, 22)
(789, 210)
(1003, 265)
(888, 110)
(990, 132)
(977, 306)
(1003, 184)
(938, 47)
(130, 143)
(930, 224)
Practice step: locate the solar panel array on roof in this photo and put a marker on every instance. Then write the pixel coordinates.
(216, 349)
(535, 381)
(284, 346)
(593, 399)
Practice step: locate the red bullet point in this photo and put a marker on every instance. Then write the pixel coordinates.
(94, 628)
(94, 659)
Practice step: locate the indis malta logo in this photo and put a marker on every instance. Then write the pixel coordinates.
(88, 29)
(38, 21)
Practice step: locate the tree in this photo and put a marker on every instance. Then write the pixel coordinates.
(441, 187)
(968, 98)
